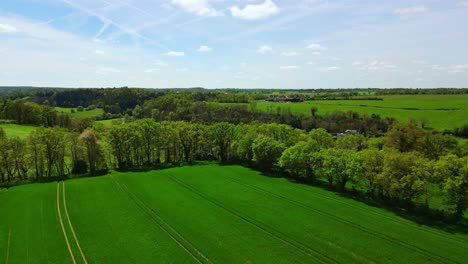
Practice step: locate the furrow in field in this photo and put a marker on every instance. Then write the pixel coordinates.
(396, 220)
(71, 226)
(8, 247)
(277, 234)
(63, 226)
(176, 237)
(347, 222)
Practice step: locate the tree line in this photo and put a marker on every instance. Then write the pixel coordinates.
(405, 168)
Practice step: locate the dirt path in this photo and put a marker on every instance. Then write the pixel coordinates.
(62, 225)
(71, 226)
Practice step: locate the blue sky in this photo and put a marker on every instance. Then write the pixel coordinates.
(234, 43)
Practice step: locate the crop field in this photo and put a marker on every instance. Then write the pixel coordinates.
(85, 114)
(207, 214)
(14, 130)
(442, 111)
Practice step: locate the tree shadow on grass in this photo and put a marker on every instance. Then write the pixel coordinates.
(418, 214)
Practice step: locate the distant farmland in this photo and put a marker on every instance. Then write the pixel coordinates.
(442, 111)
(207, 214)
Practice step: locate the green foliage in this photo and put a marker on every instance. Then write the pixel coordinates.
(267, 151)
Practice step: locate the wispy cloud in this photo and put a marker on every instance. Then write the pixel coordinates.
(5, 28)
(463, 3)
(265, 49)
(290, 67)
(290, 53)
(331, 68)
(198, 7)
(411, 10)
(204, 48)
(175, 54)
(316, 47)
(376, 65)
(252, 12)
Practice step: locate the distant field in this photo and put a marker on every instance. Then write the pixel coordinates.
(442, 111)
(208, 214)
(85, 114)
(13, 130)
(110, 122)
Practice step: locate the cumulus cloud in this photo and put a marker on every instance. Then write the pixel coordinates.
(331, 68)
(410, 10)
(204, 48)
(175, 54)
(265, 49)
(5, 28)
(253, 12)
(290, 67)
(160, 63)
(198, 7)
(290, 53)
(99, 52)
(316, 47)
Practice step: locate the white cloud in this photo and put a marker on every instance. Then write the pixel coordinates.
(265, 49)
(310, 63)
(199, 7)
(290, 67)
(151, 70)
(105, 70)
(463, 3)
(253, 12)
(290, 53)
(5, 28)
(453, 68)
(175, 54)
(410, 10)
(99, 52)
(357, 63)
(204, 48)
(376, 65)
(332, 68)
(316, 47)
(160, 63)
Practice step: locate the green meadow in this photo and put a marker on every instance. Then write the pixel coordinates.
(97, 112)
(208, 214)
(441, 111)
(14, 130)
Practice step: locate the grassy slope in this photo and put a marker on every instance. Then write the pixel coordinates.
(392, 106)
(13, 130)
(222, 214)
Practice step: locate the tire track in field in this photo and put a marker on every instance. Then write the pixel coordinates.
(282, 237)
(157, 219)
(8, 247)
(63, 226)
(70, 224)
(392, 219)
(349, 223)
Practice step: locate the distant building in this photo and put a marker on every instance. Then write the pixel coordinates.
(346, 133)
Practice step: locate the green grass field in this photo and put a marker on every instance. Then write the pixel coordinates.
(208, 214)
(85, 114)
(442, 111)
(14, 130)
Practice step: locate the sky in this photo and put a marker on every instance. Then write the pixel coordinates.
(234, 43)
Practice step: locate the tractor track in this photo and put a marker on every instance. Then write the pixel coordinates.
(63, 226)
(347, 222)
(160, 222)
(277, 234)
(71, 226)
